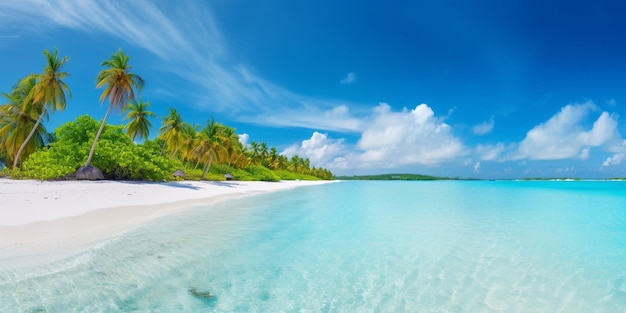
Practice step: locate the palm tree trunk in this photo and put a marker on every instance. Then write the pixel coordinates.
(95, 140)
(32, 132)
(163, 147)
(173, 153)
(207, 166)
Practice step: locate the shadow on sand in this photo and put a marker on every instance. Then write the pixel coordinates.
(182, 184)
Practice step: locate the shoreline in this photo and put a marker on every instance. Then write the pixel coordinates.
(41, 217)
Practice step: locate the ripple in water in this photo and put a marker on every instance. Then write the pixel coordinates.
(354, 247)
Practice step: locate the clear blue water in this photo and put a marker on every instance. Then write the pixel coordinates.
(355, 247)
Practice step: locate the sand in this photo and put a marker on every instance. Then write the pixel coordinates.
(43, 215)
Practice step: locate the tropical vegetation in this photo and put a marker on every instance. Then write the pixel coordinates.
(211, 151)
(46, 90)
(119, 89)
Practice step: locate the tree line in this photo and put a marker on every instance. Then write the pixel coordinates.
(198, 149)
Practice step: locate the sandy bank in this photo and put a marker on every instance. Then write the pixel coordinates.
(82, 211)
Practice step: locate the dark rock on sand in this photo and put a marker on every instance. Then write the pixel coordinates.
(88, 173)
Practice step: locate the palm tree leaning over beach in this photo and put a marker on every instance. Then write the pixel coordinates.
(119, 89)
(48, 92)
(17, 119)
(138, 124)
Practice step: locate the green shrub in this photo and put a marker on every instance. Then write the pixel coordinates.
(116, 155)
(287, 175)
(262, 173)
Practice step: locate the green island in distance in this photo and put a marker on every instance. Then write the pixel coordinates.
(393, 177)
(420, 177)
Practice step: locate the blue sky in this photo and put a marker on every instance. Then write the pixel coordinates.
(485, 89)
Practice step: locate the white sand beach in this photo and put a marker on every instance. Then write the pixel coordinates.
(38, 213)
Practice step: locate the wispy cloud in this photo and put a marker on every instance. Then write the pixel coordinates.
(185, 36)
(349, 79)
(484, 127)
(477, 167)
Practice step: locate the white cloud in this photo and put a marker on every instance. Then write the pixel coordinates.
(484, 127)
(336, 118)
(407, 137)
(491, 152)
(477, 167)
(319, 149)
(349, 79)
(584, 153)
(243, 138)
(564, 136)
(187, 43)
(614, 160)
(390, 139)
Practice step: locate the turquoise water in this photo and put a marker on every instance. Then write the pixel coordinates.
(354, 247)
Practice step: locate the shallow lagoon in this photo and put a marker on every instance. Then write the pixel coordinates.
(443, 246)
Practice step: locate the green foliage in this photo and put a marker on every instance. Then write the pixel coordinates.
(116, 155)
(262, 173)
(4, 158)
(223, 169)
(5, 172)
(196, 174)
(287, 175)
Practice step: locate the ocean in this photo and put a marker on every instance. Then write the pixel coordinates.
(356, 246)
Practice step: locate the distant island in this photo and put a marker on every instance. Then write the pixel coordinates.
(428, 177)
(393, 177)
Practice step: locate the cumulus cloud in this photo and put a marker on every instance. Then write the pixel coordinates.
(484, 127)
(389, 139)
(243, 138)
(319, 149)
(477, 167)
(407, 137)
(564, 136)
(349, 79)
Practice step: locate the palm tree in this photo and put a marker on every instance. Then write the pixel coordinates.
(171, 131)
(189, 136)
(48, 92)
(263, 153)
(306, 166)
(208, 145)
(282, 162)
(229, 142)
(295, 164)
(119, 89)
(254, 151)
(272, 159)
(17, 118)
(138, 124)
